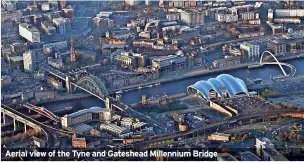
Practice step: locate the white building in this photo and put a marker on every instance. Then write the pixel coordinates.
(289, 12)
(45, 7)
(249, 15)
(262, 143)
(148, 2)
(29, 61)
(131, 2)
(226, 17)
(193, 17)
(173, 17)
(252, 49)
(9, 6)
(270, 14)
(93, 113)
(29, 32)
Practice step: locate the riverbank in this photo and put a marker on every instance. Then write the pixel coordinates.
(197, 72)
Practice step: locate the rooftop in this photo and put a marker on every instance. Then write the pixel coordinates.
(29, 27)
(265, 141)
(16, 58)
(94, 109)
(192, 10)
(82, 127)
(249, 156)
(86, 52)
(226, 157)
(274, 154)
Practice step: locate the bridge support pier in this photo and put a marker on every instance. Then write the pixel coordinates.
(3, 118)
(15, 124)
(68, 85)
(25, 127)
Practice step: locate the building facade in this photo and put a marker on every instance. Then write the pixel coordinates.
(289, 13)
(168, 63)
(226, 17)
(193, 17)
(227, 62)
(29, 32)
(277, 47)
(252, 49)
(29, 61)
(60, 24)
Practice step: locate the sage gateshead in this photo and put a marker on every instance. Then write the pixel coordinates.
(223, 86)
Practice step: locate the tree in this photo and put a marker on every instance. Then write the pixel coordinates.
(245, 136)
(6, 140)
(283, 136)
(290, 106)
(17, 137)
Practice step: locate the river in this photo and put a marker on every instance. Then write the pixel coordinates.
(179, 86)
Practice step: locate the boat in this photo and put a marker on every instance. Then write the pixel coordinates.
(151, 86)
(68, 107)
(256, 65)
(120, 91)
(140, 87)
(157, 84)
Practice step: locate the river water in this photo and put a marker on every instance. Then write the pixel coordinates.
(179, 86)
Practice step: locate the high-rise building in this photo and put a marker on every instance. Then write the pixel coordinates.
(29, 32)
(29, 61)
(192, 17)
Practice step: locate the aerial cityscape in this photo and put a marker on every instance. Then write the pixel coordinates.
(152, 80)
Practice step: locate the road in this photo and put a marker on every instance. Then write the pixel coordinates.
(213, 125)
(48, 129)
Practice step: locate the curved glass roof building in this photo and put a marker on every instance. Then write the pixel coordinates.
(222, 86)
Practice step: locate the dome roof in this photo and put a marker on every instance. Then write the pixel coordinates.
(220, 84)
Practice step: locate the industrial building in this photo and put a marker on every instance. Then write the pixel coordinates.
(121, 132)
(93, 113)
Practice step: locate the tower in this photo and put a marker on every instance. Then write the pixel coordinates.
(144, 99)
(72, 52)
(108, 103)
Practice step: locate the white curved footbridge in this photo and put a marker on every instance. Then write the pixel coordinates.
(281, 64)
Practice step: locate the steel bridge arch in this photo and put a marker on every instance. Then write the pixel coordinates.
(93, 84)
(261, 61)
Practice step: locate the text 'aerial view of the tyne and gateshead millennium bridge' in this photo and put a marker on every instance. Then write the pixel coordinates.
(152, 80)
